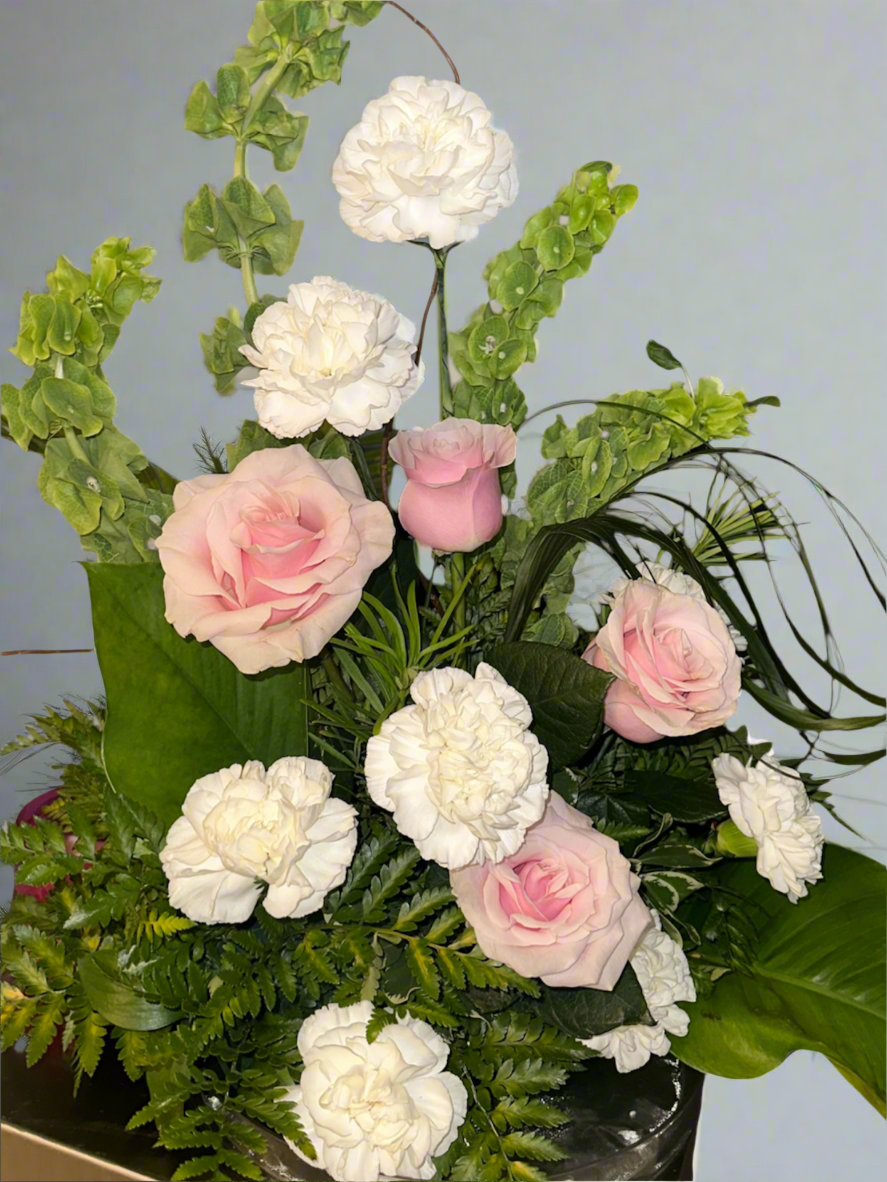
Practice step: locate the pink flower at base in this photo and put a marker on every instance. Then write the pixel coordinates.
(452, 501)
(267, 562)
(564, 908)
(677, 669)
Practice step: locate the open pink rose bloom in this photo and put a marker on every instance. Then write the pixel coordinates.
(565, 907)
(267, 562)
(676, 664)
(453, 501)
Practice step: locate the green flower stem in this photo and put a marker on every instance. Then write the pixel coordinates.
(74, 444)
(257, 102)
(446, 389)
(457, 568)
(457, 561)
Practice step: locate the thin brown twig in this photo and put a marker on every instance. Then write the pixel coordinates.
(389, 427)
(416, 21)
(19, 652)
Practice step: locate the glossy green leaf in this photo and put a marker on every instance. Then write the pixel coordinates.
(816, 980)
(178, 710)
(583, 1013)
(565, 693)
(684, 798)
(118, 1002)
(662, 356)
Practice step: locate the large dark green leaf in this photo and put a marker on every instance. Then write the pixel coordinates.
(583, 1013)
(118, 1002)
(684, 798)
(816, 979)
(178, 710)
(565, 693)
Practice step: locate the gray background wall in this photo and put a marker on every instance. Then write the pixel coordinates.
(757, 251)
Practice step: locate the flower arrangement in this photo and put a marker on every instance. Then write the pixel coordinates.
(368, 842)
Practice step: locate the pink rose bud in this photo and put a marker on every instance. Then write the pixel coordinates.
(676, 665)
(452, 500)
(564, 908)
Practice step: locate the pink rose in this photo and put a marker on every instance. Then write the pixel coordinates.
(676, 663)
(565, 907)
(452, 500)
(268, 561)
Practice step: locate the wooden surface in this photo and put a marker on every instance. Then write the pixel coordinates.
(27, 1158)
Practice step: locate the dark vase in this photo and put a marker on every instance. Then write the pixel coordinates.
(636, 1126)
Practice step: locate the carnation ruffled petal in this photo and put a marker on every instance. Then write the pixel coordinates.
(769, 803)
(424, 162)
(375, 1110)
(331, 353)
(664, 975)
(459, 769)
(244, 823)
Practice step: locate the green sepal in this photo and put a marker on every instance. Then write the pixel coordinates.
(62, 332)
(485, 339)
(31, 405)
(280, 131)
(245, 205)
(221, 352)
(232, 92)
(274, 247)
(202, 114)
(200, 231)
(71, 403)
(79, 503)
(67, 280)
(355, 12)
(555, 248)
(35, 318)
(10, 401)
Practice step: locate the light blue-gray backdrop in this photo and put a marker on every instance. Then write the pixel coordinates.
(756, 251)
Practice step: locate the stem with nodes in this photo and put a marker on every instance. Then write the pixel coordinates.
(256, 103)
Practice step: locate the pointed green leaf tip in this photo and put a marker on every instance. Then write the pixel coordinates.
(662, 356)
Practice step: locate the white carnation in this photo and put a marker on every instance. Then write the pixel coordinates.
(244, 823)
(424, 162)
(460, 769)
(768, 802)
(375, 1110)
(331, 353)
(681, 584)
(664, 976)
